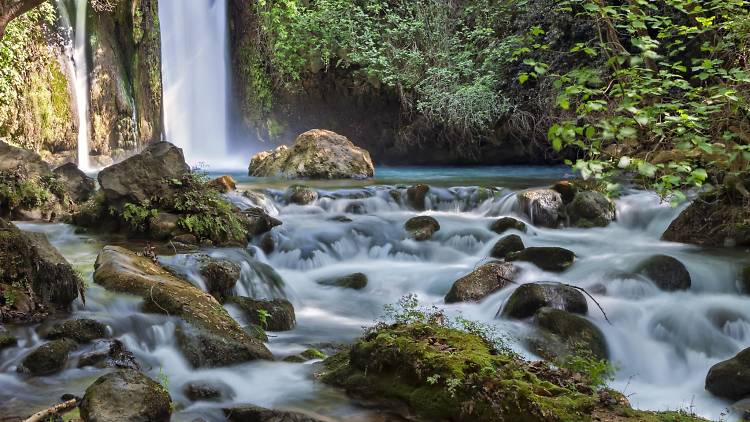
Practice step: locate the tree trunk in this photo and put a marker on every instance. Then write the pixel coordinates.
(11, 9)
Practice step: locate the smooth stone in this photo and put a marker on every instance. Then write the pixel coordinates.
(482, 282)
(506, 245)
(529, 298)
(668, 273)
(551, 259)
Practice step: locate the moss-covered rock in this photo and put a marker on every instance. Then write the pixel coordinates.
(666, 272)
(126, 395)
(307, 355)
(301, 195)
(260, 414)
(482, 282)
(590, 209)
(6, 340)
(80, 330)
(77, 184)
(577, 333)
(120, 270)
(422, 227)
(205, 349)
(356, 281)
(48, 358)
(208, 391)
(506, 245)
(271, 315)
(221, 276)
(502, 224)
(528, 298)
(552, 259)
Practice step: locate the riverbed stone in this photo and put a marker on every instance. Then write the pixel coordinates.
(529, 298)
(668, 273)
(506, 245)
(578, 333)
(48, 358)
(591, 209)
(260, 414)
(566, 189)
(482, 282)
(258, 221)
(109, 354)
(82, 330)
(224, 184)
(301, 195)
(315, 154)
(6, 339)
(163, 226)
(544, 207)
(416, 196)
(78, 185)
(208, 391)
(126, 395)
(220, 275)
(422, 227)
(121, 270)
(205, 349)
(503, 224)
(280, 316)
(356, 281)
(552, 259)
(730, 379)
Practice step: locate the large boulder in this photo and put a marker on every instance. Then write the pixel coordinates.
(12, 158)
(30, 262)
(205, 349)
(529, 298)
(422, 227)
(482, 282)
(590, 209)
(552, 259)
(271, 315)
(126, 395)
(316, 154)
(78, 186)
(544, 207)
(143, 176)
(121, 270)
(260, 414)
(577, 333)
(666, 272)
(730, 379)
(506, 245)
(220, 275)
(81, 330)
(48, 358)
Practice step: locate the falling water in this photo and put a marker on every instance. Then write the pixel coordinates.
(195, 64)
(81, 84)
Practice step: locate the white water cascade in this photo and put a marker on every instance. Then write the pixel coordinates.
(195, 63)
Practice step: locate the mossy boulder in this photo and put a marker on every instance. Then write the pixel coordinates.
(220, 275)
(552, 259)
(356, 281)
(590, 209)
(126, 395)
(6, 339)
(81, 330)
(416, 196)
(482, 282)
(48, 358)
(315, 154)
(121, 270)
(279, 313)
(503, 224)
(422, 227)
(260, 414)
(528, 298)
(301, 195)
(668, 273)
(544, 207)
(730, 379)
(77, 184)
(205, 349)
(307, 355)
(577, 333)
(506, 245)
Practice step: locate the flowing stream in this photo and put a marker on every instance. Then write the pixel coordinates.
(662, 343)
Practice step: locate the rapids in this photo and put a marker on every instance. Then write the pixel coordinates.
(662, 343)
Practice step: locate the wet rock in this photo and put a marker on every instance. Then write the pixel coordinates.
(481, 282)
(307, 355)
(220, 276)
(356, 208)
(280, 312)
(78, 186)
(187, 239)
(301, 195)
(80, 330)
(48, 358)
(259, 414)
(577, 333)
(223, 184)
(267, 243)
(552, 259)
(111, 354)
(356, 281)
(12, 157)
(506, 245)
(416, 196)
(126, 395)
(163, 226)
(566, 190)
(501, 225)
(258, 221)
(341, 219)
(422, 227)
(591, 209)
(208, 391)
(30, 261)
(6, 339)
(315, 154)
(121, 270)
(666, 272)
(143, 175)
(204, 349)
(730, 379)
(745, 280)
(544, 207)
(529, 298)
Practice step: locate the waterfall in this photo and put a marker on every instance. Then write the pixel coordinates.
(195, 69)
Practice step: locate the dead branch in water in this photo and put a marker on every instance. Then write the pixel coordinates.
(56, 409)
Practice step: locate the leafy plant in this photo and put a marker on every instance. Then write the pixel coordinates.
(137, 216)
(263, 316)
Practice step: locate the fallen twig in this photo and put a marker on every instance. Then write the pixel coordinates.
(56, 409)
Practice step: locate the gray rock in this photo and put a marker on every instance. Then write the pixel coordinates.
(576, 332)
(422, 227)
(529, 298)
(730, 379)
(506, 245)
(666, 272)
(163, 226)
(481, 282)
(208, 391)
(416, 195)
(204, 349)
(280, 312)
(259, 222)
(356, 281)
(48, 358)
(81, 330)
(301, 195)
(503, 224)
(109, 354)
(78, 186)
(552, 259)
(591, 209)
(126, 395)
(544, 207)
(220, 276)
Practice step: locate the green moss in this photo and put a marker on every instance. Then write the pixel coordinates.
(256, 82)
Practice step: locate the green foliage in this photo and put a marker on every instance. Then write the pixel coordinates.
(137, 216)
(598, 372)
(263, 316)
(19, 190)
